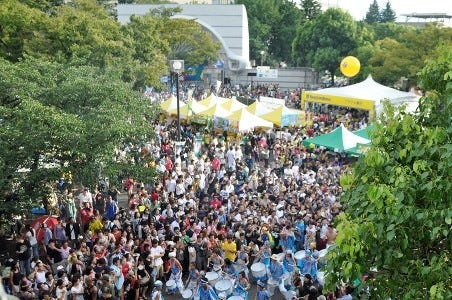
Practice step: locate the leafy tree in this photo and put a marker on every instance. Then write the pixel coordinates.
(311, 9)
(387, 14)
(373, 13)
(398, 216)
(397, 57)
(323, 42)
(58, 119)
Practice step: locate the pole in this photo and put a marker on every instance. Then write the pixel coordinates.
(178, 107)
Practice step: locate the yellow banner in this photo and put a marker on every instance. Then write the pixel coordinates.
(337, 100)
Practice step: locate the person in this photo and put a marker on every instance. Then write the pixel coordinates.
(111, 208)
(193, 277)
(23, 253)
(59, 231)
(175, 270)
(48, 234)
(262, 293)
(157, 291)
(85, 197)
(77, 289)
(276, 275)
(116, 271)
(205, 291)
(72, 231)
(31, 237)
(308, 265)
(289, 264)
(145, 279)
(230, 248)
(242, 286)
(131, 287)
(61, 292)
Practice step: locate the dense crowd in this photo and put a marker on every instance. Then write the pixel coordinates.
(250, 209)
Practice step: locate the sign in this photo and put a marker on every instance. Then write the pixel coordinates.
(271, 100)
(266, 72)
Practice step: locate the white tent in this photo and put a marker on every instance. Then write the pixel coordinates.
(243, 120)
(366, 95)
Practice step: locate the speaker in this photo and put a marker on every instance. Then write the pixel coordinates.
(176, 66)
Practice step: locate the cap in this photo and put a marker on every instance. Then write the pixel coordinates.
(158, 283)
(204, 280)
(60, 268)
(275, 257)
(260, 283)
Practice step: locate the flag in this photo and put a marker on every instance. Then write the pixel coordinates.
(190, 94)
(218, 86)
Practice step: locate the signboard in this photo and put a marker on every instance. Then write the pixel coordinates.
(266, 72)
(271, 100)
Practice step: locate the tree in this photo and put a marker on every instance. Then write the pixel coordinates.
(323, 42)
(387, 14)
(58, 119)
(398, 57)
(396, 226)
(373, 14)
(311, 9)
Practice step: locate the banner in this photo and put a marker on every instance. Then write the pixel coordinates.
(271, 100)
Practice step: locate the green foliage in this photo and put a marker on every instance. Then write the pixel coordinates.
(65, 119)
(387, 14)
(272, 26)
(397, 220)
(373, 13)
(311, 9)
(323, 42)
(398, 55)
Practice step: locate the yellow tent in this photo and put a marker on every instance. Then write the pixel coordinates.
(215, 111)
(233, 105)
(190, 109)
(282, 116)
(170, 104)
(243, 120)
(211, 100)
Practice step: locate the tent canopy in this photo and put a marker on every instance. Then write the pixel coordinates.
(245, 121)
(233, 105)
(170, 104)
(365, 131)
(211, 100)
(282, 116)
(215, 111)
(260, 108)
(366, 95)
(190, 109)
(340, 139)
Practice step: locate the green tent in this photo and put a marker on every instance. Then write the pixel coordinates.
(340, 140)
(365, 131)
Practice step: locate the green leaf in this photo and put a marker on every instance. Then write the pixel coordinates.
(390, 235)
(448, 220)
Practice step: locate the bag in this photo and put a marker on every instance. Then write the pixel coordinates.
(145, 280)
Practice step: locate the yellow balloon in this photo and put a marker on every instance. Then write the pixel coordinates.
(350, 66)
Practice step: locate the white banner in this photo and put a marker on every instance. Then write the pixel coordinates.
(270, 100)
(266, 72)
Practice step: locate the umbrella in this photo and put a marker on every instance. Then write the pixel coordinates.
(50, 221)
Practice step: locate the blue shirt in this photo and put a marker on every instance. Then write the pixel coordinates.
(276, 270)
(263, 295)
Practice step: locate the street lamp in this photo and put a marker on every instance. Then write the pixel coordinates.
(177, 67)
(262, 57)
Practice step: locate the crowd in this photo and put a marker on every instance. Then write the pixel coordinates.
(252, 209)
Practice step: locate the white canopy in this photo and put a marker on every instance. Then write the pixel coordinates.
(245, 121)
(367, 94)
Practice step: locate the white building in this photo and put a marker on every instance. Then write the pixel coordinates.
(227, 23)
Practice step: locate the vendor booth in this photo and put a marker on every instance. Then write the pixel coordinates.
(366, 95)
(340, 140)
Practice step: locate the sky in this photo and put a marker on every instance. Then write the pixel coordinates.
(358, 8)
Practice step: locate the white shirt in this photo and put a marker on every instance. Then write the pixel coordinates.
(157, 253)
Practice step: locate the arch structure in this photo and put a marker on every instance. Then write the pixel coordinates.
(227, 23)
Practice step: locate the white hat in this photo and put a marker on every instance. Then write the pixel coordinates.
(158, 283)
(60, 268)
(172, 254)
